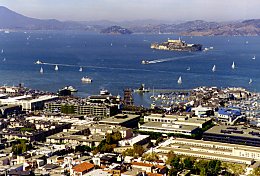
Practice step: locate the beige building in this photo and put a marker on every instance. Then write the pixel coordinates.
(210, 150)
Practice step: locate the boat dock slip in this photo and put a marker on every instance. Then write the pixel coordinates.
(173, 90)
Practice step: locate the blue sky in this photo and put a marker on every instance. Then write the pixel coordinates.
(120, 10)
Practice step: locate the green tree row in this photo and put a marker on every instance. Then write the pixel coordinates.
(201, 167)
(108, 144)
(21, 146)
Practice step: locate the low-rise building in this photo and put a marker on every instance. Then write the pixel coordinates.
(177, 120)
(81, 169)
(233, 134)
(228, 114)
(209, 150)
(28, 102)
(168, 128)
(126, 120)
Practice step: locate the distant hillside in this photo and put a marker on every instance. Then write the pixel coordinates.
(12, 20)
(203, 28)
(116, 30)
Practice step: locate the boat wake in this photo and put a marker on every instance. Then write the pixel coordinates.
(167, 59)
(98, 67)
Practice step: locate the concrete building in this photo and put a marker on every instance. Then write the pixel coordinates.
(168, 128)
(81, 169)
(126, 120)
(173, 124)
(233, 134)
(228, 114)
(28, 102)
(177, 120)
(138, 140)
(102, 129)
(202, 111)
(209, 150)
(6, 110)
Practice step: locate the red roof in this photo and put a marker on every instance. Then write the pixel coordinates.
(83, 167)
(142, 164)
(154, 174)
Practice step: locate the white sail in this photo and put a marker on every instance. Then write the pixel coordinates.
(233, 65)
(41, 70)
(188, 69)
(80, 69)
(2, 51)
(214, 68)
(250, 81)
(179, 80)
(56, 68)
(253, 58)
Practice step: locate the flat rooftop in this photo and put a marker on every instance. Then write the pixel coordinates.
(168, 126)
(235, 131)
(119, 118)
(178, 118)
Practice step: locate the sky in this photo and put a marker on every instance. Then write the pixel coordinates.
(121, 10)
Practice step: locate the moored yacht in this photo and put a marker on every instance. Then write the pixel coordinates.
(86, 79)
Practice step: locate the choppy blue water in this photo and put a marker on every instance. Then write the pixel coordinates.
(114, 62)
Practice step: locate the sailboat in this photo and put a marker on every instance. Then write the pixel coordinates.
(2, 51)
(253, 58)
(233, 65)
(56, 68)
(41, 70)
(188, 69)
(80, 69)
(214, 68)
(250, 81)
(179, 80)
(153, 94)
(4, 59)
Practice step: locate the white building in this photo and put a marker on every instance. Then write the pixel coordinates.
(210, 150)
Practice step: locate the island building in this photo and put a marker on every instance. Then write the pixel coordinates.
(173, 124)
(208, 150)
(176, 45)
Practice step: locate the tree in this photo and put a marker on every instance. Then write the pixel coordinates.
(138, 150)
(234, 168)
(200, 166)
(21, 146)
(170, 157)
(176, 163)
(109, 138)
(117, 136)
(172, 172)
(151, 157)
(160, 139)
(188, 163)
(203, 172)
(256, 171)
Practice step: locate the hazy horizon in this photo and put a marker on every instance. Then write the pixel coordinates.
(124, 10)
